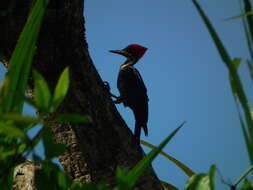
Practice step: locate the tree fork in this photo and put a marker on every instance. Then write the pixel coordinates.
(93, 150)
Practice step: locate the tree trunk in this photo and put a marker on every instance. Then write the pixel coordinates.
(93, 150)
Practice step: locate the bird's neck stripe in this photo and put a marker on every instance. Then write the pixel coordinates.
(127, 64)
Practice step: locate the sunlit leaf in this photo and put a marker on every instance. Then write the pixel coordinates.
(11, 130)
(15, 81)
(202, 181)
(247, 185)
(61, 89)
(42, 92)
(19, 119)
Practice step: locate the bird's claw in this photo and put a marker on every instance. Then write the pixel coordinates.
(107, 86)
(118, 100)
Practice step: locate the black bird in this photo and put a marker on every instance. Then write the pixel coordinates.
(133, 92)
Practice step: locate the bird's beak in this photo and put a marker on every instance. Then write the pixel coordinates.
(120, 52)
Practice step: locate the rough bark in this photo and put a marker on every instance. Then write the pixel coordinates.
(25, 176)
(95, 150)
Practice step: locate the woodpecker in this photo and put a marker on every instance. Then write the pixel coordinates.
(133, 92)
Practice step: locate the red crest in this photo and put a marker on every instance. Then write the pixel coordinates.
(136, 50)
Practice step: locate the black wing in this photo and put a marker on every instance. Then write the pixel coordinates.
(131, 86)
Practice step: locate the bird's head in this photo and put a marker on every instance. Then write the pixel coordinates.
(133, 51)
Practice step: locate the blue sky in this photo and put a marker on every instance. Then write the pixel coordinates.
(184, 74)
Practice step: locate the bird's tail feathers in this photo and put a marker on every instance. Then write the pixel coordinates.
(145, 128)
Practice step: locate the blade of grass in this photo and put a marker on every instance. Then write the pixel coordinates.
(236, 62)
(246, 26)
(250, 68)
(232, 70)
(21, 60)
(243, 176)
(168, 186)
(249, 19)
(244, 130)
(182, 166)
(140, 168)
(240, 16)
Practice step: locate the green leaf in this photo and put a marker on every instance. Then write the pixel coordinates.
(248, 24)
(76, 185)
(243, 176)
(19, 119)
(11, 130)
(235, 63)
(246, 27)
(244, 130)
(61, 89)
(7, 154)
(250, 68)
(15, 81)
(73, 118)
(63, 180)
(51, 148)
(47, 176)
(221, 49)
(141, 167)
(121, 179)
(247, 185)
(21, 148)
(42, 92)
(182, 166)
(202, 181)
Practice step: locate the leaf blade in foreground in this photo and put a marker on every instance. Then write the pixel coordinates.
(140, 168)
(182, 166)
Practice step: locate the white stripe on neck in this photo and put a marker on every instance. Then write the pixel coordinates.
(126, 65)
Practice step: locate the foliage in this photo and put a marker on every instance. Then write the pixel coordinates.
(15, 144)
(201, 181)
(235, 81)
